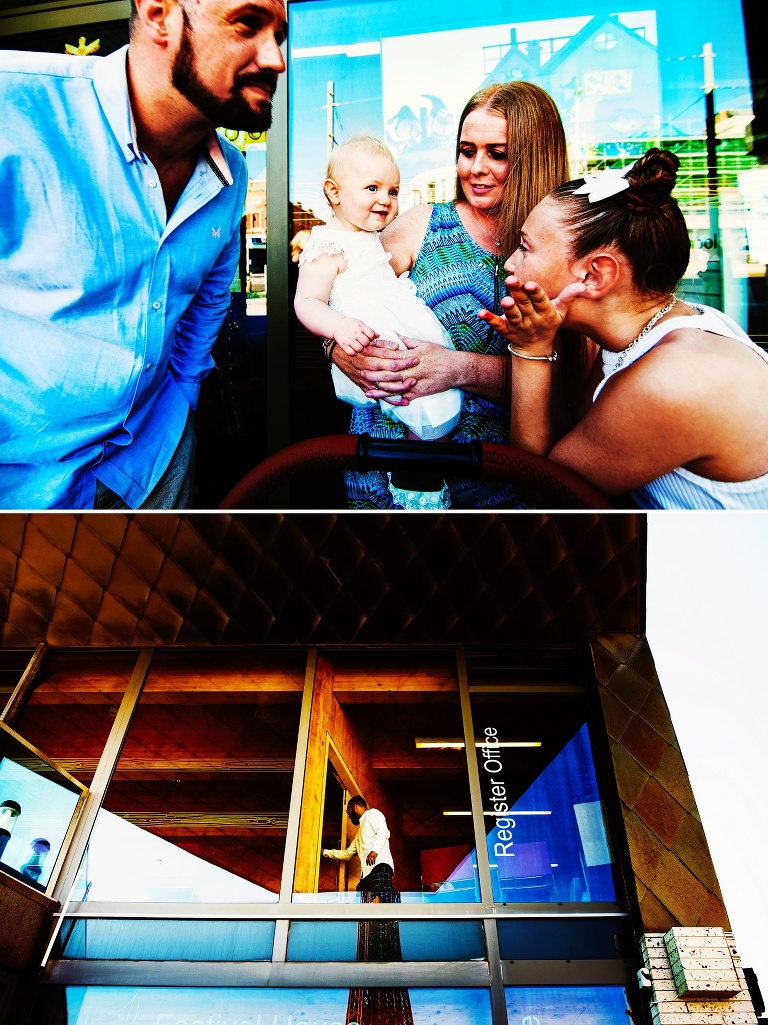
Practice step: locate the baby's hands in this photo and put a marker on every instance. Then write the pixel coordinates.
(353, 335)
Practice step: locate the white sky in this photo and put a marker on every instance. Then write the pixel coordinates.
(707, 623)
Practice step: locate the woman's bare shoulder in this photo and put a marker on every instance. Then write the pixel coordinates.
(697, 367)
(404, 236)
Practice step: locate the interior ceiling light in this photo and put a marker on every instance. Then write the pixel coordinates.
(512, 813)
(455, 744)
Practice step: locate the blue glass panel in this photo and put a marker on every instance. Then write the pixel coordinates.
(160, 940)
(36, 808)
(562, 939)
(419, 941)
(122, 1005)
(567, 1005)
(322, 941)
(442, 941)
(549, 844)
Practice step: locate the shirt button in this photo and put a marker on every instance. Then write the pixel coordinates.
(156, 304)
(152, 183)
(149, 366)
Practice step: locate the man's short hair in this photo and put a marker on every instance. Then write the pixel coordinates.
(357, 800)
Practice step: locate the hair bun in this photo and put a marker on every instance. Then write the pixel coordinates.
(651, 181)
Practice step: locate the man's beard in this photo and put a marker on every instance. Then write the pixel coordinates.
(354, 818)
(232, 112)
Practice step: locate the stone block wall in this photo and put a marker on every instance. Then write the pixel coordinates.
(696, 978)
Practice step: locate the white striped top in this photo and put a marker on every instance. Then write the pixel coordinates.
(681, 489)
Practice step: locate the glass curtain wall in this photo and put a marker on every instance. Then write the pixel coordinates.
(390, 730)
(197, 809)
(204, 821)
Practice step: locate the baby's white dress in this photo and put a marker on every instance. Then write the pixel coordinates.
(370, 291)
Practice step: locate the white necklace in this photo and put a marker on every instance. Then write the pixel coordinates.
(494, 241)
(651, 323)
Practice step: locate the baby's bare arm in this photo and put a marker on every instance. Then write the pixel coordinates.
(316, 278)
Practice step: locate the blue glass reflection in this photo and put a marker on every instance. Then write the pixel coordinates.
(161, 940)
(568, 938)
(94, 1005)
(566, 1005)
(35, 814)
(419, 941)
(552, 845)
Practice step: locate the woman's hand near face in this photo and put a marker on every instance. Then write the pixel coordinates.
(529, 323)
(531, 319)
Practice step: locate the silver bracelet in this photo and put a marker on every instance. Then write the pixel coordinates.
(541, 359)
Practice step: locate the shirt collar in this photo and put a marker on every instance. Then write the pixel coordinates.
(110, 80)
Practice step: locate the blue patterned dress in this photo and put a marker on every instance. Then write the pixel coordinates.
(455, 277)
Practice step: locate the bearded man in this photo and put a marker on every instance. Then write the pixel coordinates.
(119, 240)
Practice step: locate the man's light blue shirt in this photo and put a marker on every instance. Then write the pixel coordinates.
(108, 307)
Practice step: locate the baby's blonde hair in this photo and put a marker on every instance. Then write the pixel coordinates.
(364, 143)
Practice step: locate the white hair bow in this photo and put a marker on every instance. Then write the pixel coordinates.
(603, 184)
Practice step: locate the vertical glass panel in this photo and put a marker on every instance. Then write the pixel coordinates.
(72, 709)
(546, 834)
(198, 806)
(123, 1005)
(389, 729)
(37, 806)
(623, 78)
(567, 1005)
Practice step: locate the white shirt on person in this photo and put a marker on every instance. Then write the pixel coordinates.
(372, 835)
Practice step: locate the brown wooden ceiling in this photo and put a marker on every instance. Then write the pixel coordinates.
(347, 578)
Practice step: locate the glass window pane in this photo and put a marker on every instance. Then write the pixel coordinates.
(198, 806)
(389, 729)
(13, 662)
(567, 1005)
(564, 939)
(72, 709)
(159, 940)
(624, 79)
(407, 941)
(37, 806)
(121, 1005)
(546, 834)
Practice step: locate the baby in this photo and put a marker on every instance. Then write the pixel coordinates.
(348, 291)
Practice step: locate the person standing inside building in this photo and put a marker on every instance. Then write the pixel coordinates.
(371, 846)
(119, 240)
